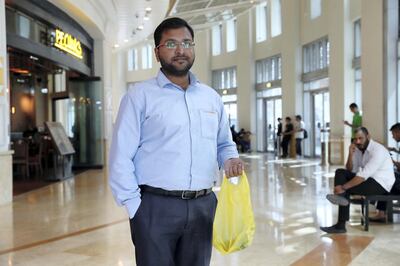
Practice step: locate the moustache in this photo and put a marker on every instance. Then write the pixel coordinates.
(177, 58)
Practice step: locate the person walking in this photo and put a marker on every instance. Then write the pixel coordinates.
(170, 136)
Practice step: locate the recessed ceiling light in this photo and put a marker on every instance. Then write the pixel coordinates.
(140, 27)
(126, 40)
(146, 18)
(116, 45)
(148, 9)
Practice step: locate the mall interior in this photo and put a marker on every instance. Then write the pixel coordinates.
(66, 64)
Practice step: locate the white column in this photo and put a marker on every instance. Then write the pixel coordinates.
(246, 102)
(341, 76)
(372, 52)
(292, 90)
(5, 154)
(103, 69)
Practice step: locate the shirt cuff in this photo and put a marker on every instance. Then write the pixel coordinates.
(132, 206)
(227, 157)
(361, 174)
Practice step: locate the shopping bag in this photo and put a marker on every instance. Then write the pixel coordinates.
(234, 220)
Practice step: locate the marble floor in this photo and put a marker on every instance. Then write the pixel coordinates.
(76, 222)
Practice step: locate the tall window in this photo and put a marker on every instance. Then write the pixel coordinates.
(224, 79)
(357, 38)
(316, 55)
(357, 63)
(147, 60)
(216, 39)
(24, 24)
(315, 8)
(268, 69)
(261, 22)
(231, 35)
(276, 18)
(132, 59)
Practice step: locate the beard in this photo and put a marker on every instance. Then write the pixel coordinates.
(363, 147)
(171, 69)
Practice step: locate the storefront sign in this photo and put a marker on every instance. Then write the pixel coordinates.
(68, 43)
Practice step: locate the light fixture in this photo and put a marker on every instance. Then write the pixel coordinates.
(268, 85)
(146, 17)
(224, 92)
(13, 110)
(116, 45)
(44, 90)
(33, 58)
(148, 9)
(140, 27)
(126, 40)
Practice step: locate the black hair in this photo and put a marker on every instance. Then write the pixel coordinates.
(288, 118)
(279, 119)
(170, 23)
(353, 105)
(395, 127)
(362, 129)
(298, 117)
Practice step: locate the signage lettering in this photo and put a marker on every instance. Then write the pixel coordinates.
(68, 43)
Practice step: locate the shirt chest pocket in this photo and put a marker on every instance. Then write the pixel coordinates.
(209, 124)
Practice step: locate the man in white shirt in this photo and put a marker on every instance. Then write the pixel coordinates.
(369, 171)
(299, 133)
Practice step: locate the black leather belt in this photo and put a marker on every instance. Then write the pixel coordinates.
(183, 194)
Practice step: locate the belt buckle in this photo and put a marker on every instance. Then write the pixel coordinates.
(183, 196)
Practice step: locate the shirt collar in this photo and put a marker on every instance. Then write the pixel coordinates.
(163, 81)
(370, 145)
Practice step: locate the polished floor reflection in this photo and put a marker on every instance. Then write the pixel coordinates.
(76, 222)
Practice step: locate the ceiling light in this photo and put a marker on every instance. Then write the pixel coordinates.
(44, 90)
(140, 27)
(146, 18)
(148, 9)
(126, 40)
(33, 58)
(116, 45)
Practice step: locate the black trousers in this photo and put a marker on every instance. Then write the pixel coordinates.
(285, 146)
(298, 146)
(368, 187)
(168, 231)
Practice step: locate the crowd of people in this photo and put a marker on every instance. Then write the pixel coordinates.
(298, 129)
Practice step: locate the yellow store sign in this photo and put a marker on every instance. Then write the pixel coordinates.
(68, 43)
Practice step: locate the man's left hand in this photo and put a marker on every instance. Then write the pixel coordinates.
(233, 167)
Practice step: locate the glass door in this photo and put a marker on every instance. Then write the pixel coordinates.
(81, 115)
(273, 112)
(321, 119)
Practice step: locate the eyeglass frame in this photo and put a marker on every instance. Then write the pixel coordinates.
(192, 44)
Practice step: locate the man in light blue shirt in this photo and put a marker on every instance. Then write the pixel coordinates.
(170, 136)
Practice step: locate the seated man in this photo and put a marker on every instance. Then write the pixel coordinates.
(381, 206)
(369, 171)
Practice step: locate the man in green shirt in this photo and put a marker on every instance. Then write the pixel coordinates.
(357, 119)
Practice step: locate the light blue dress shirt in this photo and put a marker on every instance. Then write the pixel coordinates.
(169, 138)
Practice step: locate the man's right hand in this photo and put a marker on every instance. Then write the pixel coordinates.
(352, 148)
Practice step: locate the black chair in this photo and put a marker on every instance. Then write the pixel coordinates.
(392, 206)
(21, 155)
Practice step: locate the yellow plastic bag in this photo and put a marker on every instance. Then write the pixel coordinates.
(234, 220)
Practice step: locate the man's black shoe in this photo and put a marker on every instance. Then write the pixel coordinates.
(333, 229)
(337, 199)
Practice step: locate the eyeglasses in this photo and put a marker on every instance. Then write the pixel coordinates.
(174, 44)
